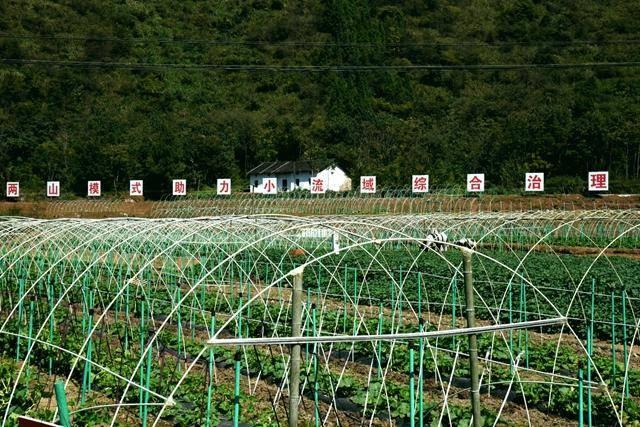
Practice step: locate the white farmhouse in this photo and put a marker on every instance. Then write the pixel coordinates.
(297, 175)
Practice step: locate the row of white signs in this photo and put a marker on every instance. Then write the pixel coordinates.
(534, 181)
(136, 188)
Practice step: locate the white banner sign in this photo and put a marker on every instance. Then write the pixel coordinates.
(53, 188)
(136, 187)
(420, 184)
(534, 181)
(269, 185)
(475, 182)
(94, 188)
(599, 181)
(223, 186)
(318, 185)
(367, 184)
(13, 189)
(179, 187)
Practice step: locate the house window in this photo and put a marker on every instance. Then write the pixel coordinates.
(255, 183)
(297, 182)
(284, 185)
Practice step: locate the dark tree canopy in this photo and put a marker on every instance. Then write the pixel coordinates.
(74, 123)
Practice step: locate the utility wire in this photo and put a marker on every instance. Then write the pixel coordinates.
(317, 43)
(313, 68)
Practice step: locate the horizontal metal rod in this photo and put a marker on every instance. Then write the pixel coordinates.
(386, 337)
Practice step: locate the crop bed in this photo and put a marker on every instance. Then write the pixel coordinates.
(135, 316)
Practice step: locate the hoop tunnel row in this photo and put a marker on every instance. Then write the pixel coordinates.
(385, 202)
(122, 311)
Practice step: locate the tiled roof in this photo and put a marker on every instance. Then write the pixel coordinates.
(277, 168)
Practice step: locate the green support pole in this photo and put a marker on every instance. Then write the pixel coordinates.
(61, 400)
(306, 350)
(86, 377)
(355, 300)
(591, 338)
(419, 295)
(421, 379)
(473, 339)
(236, 391)
(344, 297)
(526, 331)
(51, 325)
(590, 353)
(316, 404)
(240, 302)
(580, 397)
(412, 391)
(624, 342)
(454, 292)
(179, 320)
(20, 296)
(393, 307)
(147, 384)
(192, 317)
(510, 331)
(380, 320)
(248, 308)
(30, 333)
(141, 393)
(400, 293)
(520, 313)
(85, 306)
(211, 362)
(118, 283)
(319, 282)
(613, 340)
(231, 282)
(279, 286)
(126, 315)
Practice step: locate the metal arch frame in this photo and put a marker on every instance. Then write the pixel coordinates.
(25, 236)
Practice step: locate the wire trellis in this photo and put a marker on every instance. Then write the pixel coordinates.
(187, 321)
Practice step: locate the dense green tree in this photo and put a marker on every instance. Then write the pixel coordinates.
(91, 119)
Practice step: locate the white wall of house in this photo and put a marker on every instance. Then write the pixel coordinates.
(255, 183)
(335, 177)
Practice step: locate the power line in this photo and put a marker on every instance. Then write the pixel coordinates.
(313, 68)
(489, 44)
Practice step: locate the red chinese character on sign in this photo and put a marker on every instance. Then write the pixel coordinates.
(475, 183)
(269, 186)
(599, 181)
(223, 186)
(94, 188)
(534, 182)
(136, 188)
(420, 183)
(53, 189)
(368, 184)
(12, 189)
(317, 185)
(178, 187)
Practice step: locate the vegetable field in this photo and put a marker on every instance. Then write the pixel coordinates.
(272, 320)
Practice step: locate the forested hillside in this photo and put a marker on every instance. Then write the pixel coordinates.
(73, 107)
